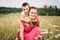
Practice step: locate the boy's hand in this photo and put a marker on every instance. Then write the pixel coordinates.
(35, 20)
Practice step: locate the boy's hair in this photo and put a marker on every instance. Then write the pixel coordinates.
(33, 8)
(24, 4)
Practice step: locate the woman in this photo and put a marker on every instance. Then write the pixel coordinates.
(30, 30)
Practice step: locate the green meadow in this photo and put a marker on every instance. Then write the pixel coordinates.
(49, 25)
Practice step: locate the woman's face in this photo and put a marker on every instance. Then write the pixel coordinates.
(33, 13)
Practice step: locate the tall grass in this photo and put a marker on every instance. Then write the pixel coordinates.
(9, 24)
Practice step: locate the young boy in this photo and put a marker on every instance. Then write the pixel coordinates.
(23, 15)
(25, 11)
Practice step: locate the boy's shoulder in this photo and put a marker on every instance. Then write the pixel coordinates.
(22, 13)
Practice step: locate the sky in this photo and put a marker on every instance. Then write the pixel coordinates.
(36, 3)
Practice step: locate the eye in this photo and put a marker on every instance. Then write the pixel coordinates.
(31, 12)
(27, 8)
(34, 13)
(24, 9)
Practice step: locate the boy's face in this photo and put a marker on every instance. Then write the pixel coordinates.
(33, 13)
(25, 9)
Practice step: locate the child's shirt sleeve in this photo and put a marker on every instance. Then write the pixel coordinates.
(22, 14)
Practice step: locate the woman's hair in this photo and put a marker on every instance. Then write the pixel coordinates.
(32, 8)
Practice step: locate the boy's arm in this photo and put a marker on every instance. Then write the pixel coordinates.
(37, 21)
(34, 20)
(25, 19)
(22, 18)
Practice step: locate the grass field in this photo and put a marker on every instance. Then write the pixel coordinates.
(49, 25)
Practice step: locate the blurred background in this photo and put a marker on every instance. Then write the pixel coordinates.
(48, 13)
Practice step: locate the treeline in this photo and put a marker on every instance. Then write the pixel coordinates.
(6, 10)
(49, 11)
(46, 10)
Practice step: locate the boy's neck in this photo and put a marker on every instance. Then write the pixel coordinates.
(26, 14)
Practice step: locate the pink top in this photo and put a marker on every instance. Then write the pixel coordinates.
(30, 32)
(27, 29)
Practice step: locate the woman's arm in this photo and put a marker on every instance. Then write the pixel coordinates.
(38, 22)
(21, 30)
